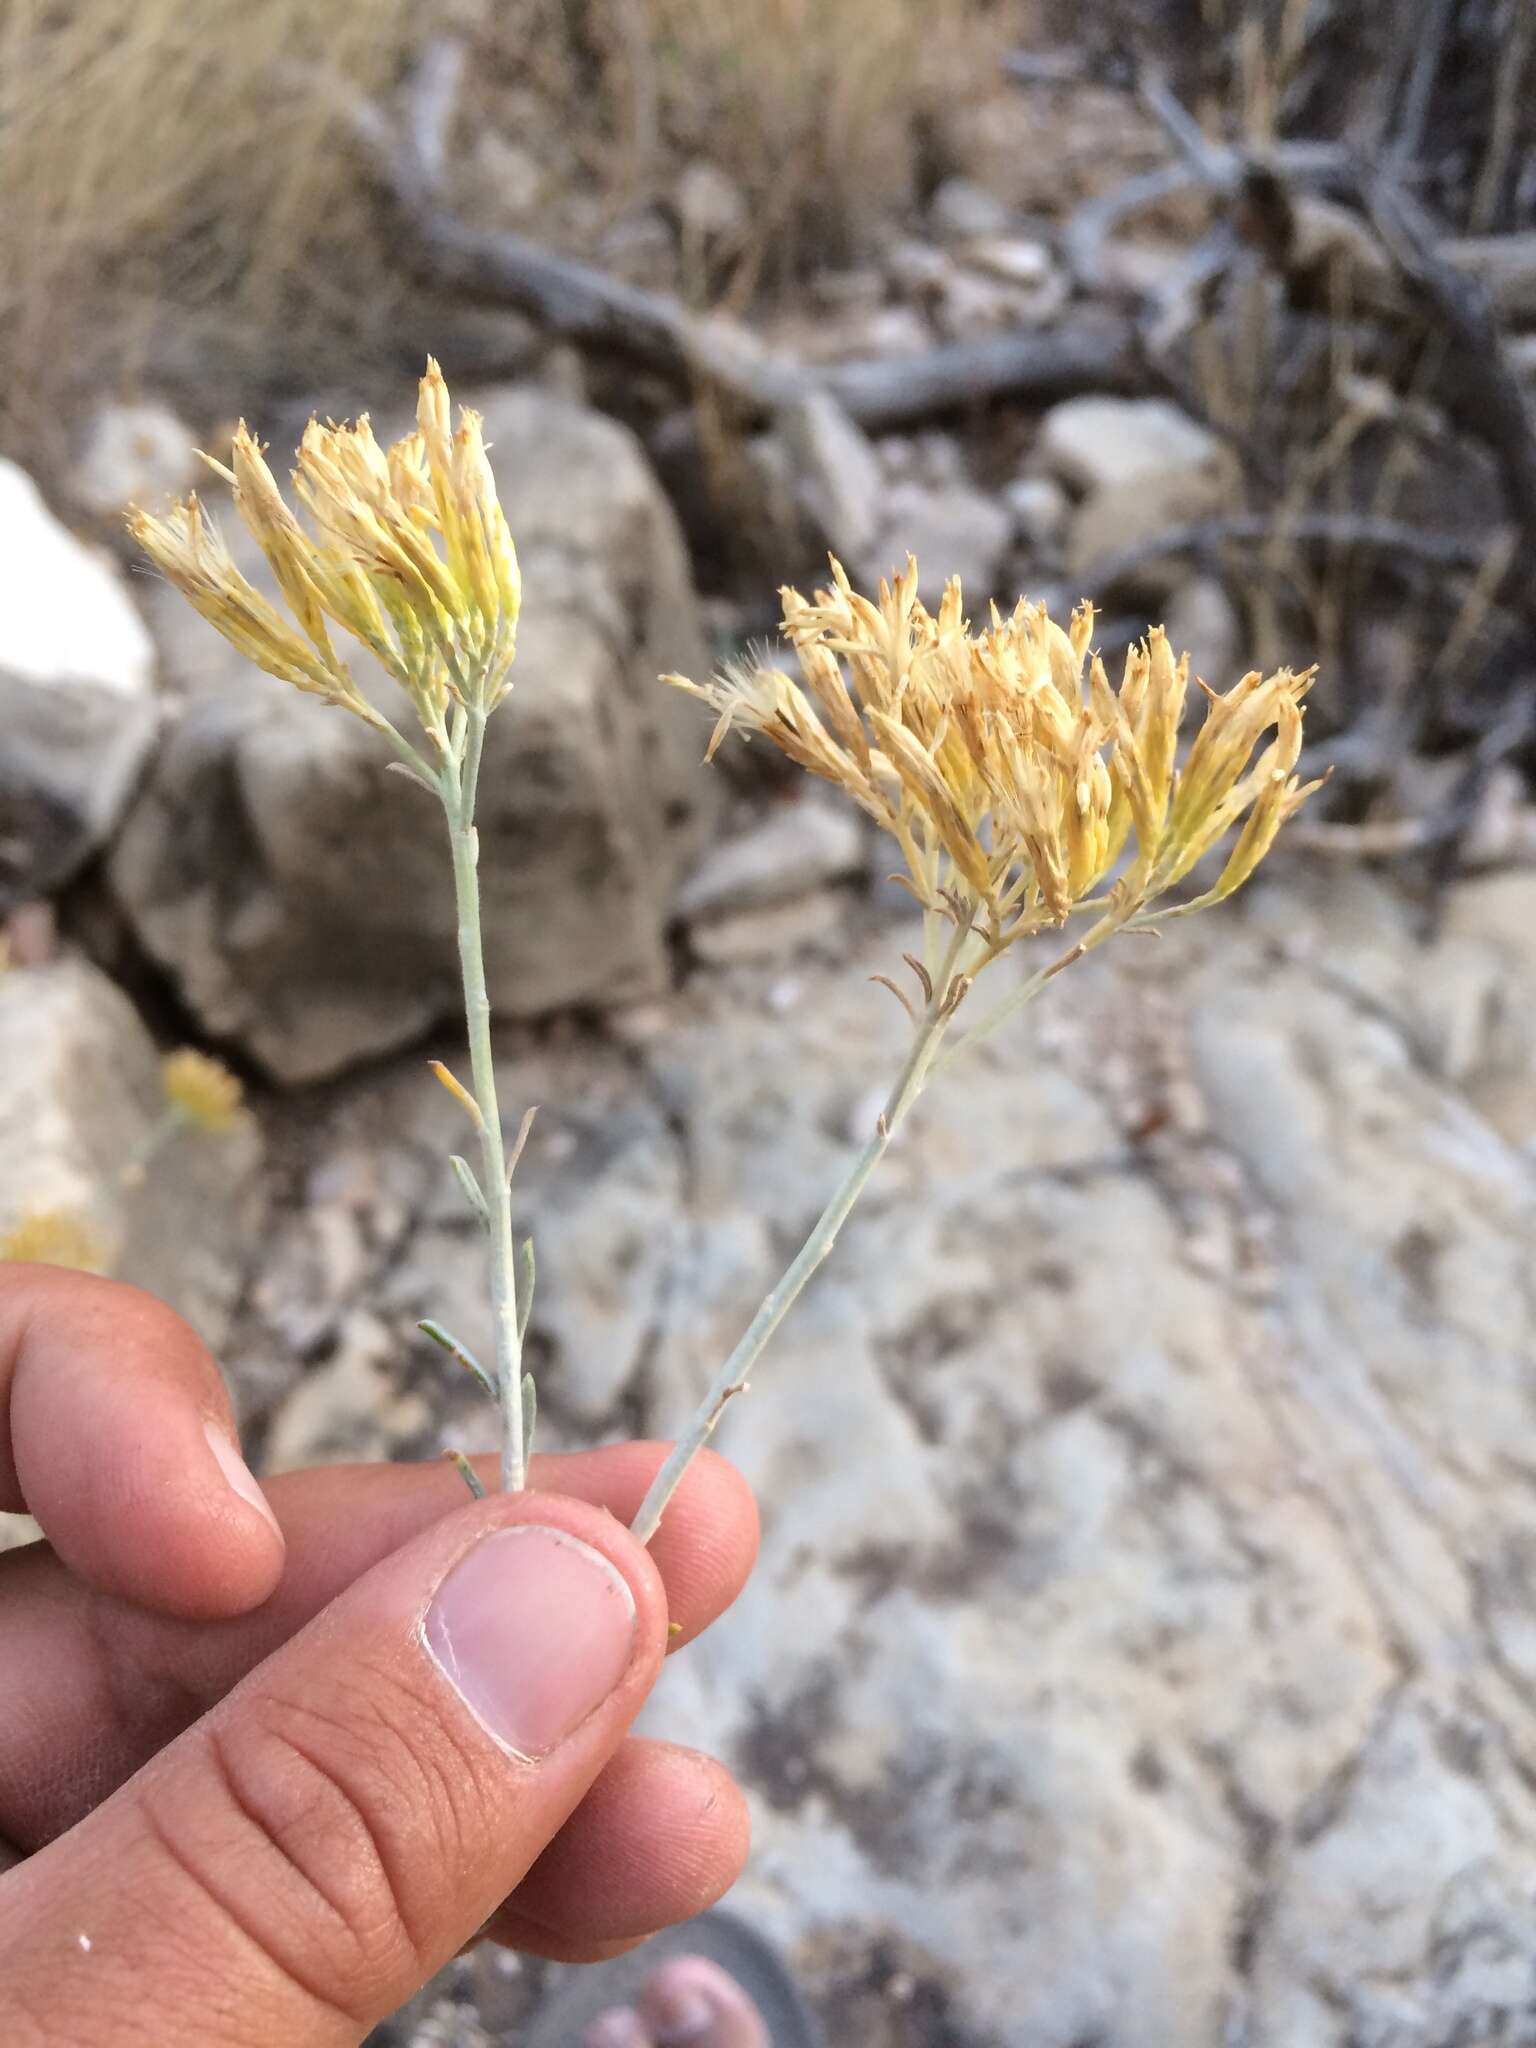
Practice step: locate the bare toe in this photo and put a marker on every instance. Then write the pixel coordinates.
(691, 2003)
(619, 2027)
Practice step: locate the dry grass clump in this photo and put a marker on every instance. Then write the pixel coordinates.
(822, 110)
(191, 153)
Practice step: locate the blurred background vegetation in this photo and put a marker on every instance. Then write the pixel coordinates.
(1314, 220)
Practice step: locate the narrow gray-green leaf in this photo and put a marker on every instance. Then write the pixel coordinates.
(530, 1413)
(525, 1280)
(467, 1472)
(464, 1174)
(461, 1352)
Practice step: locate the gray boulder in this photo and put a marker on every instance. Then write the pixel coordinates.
(77, 705)
(83, 1144)
(302, 900)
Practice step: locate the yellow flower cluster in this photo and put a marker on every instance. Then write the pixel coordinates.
(201, 1092)
(54, 1237)
(413, 560)
(1014, 778)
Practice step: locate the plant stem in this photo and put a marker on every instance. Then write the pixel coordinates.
(1026, 992)
(459, 791)
(731, 1379)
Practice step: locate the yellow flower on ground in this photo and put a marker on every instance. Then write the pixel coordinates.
(1019, 784)
(54, 1237)
(201, 1091)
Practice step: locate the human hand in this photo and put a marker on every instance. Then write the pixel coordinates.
(268, 1761)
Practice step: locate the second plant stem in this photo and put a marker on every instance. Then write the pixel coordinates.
(459, 787)
(731, 1379)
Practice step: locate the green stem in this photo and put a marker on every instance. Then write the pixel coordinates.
(1025, 994)
(731, 1379)
(459, 793)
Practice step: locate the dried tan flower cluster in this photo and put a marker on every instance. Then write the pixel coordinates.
(202, 1092)
(1013, 777)
(413, 560)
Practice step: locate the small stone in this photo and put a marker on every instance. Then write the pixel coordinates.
(134, 455)
(711, 205)
(638, 1023)
(920, 269)
(835, 471)
(1200, 619)
(797, 848)
(1096, 443)
(1012, 258)
(967, 211)
(1144, 467)
(953, 532)
(1039, 509)
(938, 461)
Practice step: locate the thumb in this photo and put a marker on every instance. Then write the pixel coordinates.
(299, 1862)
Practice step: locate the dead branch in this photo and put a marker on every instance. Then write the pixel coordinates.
(1207, 539)
(1091, 351)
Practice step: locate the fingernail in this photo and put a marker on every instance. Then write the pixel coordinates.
(533, 1629)
(617, 2028)
(682, 2019)
(239, 1475)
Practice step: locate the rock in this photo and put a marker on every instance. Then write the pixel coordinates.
(967, 211)
(77, 705)
(302, 900)
(1488, 946)
(1140, 1649)
(1097, 444)
(797, 848)
(953, 531)
(996, 281)
(771, 933)
(1039, 510)
(1041, 1638)
(1013, 258)
(835, 474)
(351, 1407)
(938, 461)
(919, 269)
(134, 455)
(872, 331)
(1144, 467)
(1504, 831)
(1201, 618)
(711, 206)
(81, 1141)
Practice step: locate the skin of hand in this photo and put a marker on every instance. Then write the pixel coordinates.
(270, 1757)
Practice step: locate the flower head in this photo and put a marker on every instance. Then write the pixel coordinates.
(1019, 784)
(411, 557)
(54, 1237)
(202, 1092)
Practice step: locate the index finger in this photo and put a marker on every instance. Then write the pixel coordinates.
(116, 1433)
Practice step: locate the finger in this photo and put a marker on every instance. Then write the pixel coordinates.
(662, 1834)
(297, 1864)
(90, 1687)
(116, 1433)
